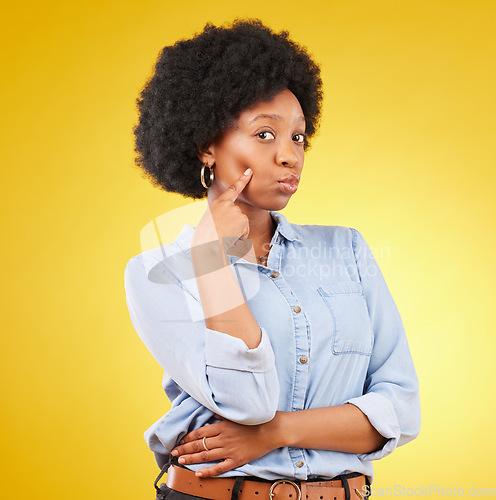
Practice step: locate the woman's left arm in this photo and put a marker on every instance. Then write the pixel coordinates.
(341, 428)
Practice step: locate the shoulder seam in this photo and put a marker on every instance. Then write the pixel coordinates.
(354, 234)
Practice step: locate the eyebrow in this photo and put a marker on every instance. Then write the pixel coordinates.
(273, 117)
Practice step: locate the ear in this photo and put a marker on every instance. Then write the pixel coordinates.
(206, 155)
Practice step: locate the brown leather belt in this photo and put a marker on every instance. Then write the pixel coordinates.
(220, 488)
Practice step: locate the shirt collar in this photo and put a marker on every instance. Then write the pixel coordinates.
(183, 240)
(284, 228)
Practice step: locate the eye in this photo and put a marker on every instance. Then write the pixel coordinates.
(300, 138)
(266, 135)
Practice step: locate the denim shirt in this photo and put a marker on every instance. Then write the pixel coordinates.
(331, 334)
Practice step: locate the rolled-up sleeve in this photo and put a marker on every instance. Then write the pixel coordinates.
(216, 369)
(391, 392)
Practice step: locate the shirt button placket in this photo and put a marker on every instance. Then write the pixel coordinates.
(301, 352)
(301, 380)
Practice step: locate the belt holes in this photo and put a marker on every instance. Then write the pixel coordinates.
(256, 492)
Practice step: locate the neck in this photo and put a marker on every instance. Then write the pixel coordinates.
(262, 228)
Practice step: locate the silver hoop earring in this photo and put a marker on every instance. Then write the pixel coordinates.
(202, 176)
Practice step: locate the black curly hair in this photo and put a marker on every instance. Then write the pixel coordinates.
(201, 85)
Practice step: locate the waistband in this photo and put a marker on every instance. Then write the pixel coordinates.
(345, 487)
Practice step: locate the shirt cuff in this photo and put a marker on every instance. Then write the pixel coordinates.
(228, 352)
(382, 416)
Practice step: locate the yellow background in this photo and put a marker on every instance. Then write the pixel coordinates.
(405, 155)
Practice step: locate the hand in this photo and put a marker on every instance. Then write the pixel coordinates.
(223, 219)
(233, 443)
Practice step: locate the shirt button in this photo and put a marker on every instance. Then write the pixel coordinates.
(274, 275)
(296, 309)
(299, 464)
(303, 360)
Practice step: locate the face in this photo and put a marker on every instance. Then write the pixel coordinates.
(268, 137)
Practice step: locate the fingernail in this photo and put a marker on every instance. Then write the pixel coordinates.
(174, 453)
(199, 474)
(247, 171)
(181, 460)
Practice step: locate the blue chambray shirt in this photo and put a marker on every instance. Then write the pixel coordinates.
(331, 334)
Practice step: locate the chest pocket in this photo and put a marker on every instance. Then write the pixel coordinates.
(352, 332)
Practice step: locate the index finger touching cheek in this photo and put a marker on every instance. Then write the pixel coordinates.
(234, 190)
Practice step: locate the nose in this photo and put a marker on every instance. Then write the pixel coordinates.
(286, 155)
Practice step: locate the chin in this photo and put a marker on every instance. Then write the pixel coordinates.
(275, 204)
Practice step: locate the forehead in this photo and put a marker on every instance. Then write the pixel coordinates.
(283, 107)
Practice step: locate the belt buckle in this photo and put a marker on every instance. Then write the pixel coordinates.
(280, 481)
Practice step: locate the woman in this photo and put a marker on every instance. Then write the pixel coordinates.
(285, 357)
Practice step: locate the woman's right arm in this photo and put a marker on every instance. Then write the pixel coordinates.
(224, 306)
(210, 359)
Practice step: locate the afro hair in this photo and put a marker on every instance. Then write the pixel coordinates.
(201, 85)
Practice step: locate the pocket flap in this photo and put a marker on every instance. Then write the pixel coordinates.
(343, 287)
(352, 326)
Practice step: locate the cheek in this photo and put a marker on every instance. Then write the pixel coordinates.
(227, 169)
(233, 154)
(234, 165)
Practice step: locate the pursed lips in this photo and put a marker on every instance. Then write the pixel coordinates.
(289, 184)
(290, 179)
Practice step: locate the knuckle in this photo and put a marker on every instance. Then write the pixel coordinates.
(204, 456)
(218, 469)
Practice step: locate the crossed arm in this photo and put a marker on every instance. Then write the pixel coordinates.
(340, 428)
